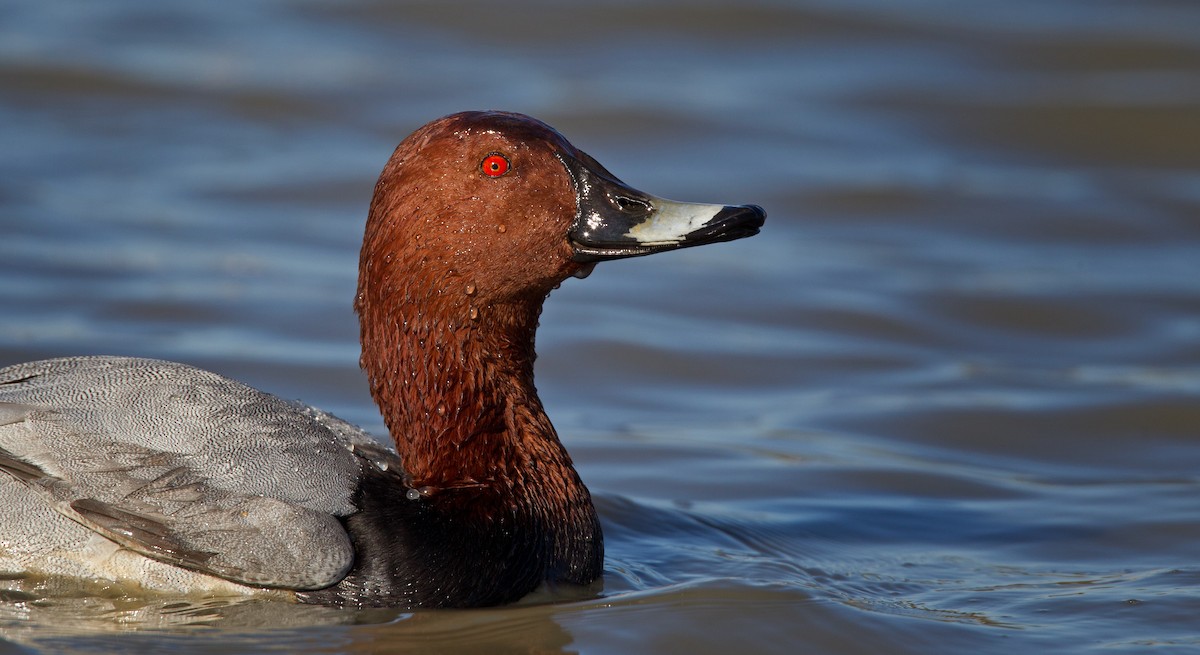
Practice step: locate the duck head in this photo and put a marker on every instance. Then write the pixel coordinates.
(507, 201)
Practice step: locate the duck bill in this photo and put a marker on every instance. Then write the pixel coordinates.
(615, 221)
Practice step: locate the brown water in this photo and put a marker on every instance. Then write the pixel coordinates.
(947, 402)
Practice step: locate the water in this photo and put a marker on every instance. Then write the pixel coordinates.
(948, 401)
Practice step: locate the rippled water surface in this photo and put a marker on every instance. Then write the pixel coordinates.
(947, 402)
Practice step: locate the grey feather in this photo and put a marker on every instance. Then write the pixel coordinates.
(185, 466)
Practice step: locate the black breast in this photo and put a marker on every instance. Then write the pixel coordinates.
(453, 548)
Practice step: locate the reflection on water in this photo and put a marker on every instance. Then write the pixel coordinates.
(946, 402)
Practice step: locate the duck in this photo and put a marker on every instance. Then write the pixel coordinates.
(178, 480)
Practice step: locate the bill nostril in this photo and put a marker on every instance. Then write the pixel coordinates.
(627, 204)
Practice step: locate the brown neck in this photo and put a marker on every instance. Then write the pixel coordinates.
(453, 377)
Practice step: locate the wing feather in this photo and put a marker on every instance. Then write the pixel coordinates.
(187, 467)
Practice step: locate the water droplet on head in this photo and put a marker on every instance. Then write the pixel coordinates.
(470, 289)
(441, 409)
(501, 228)
(473, 313)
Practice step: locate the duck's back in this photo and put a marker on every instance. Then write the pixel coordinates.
(201, 475)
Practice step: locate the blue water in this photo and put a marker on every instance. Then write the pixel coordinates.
(948, 401)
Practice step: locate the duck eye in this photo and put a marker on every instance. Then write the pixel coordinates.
(494, 165)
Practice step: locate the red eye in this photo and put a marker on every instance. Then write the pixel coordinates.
(494, 165)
